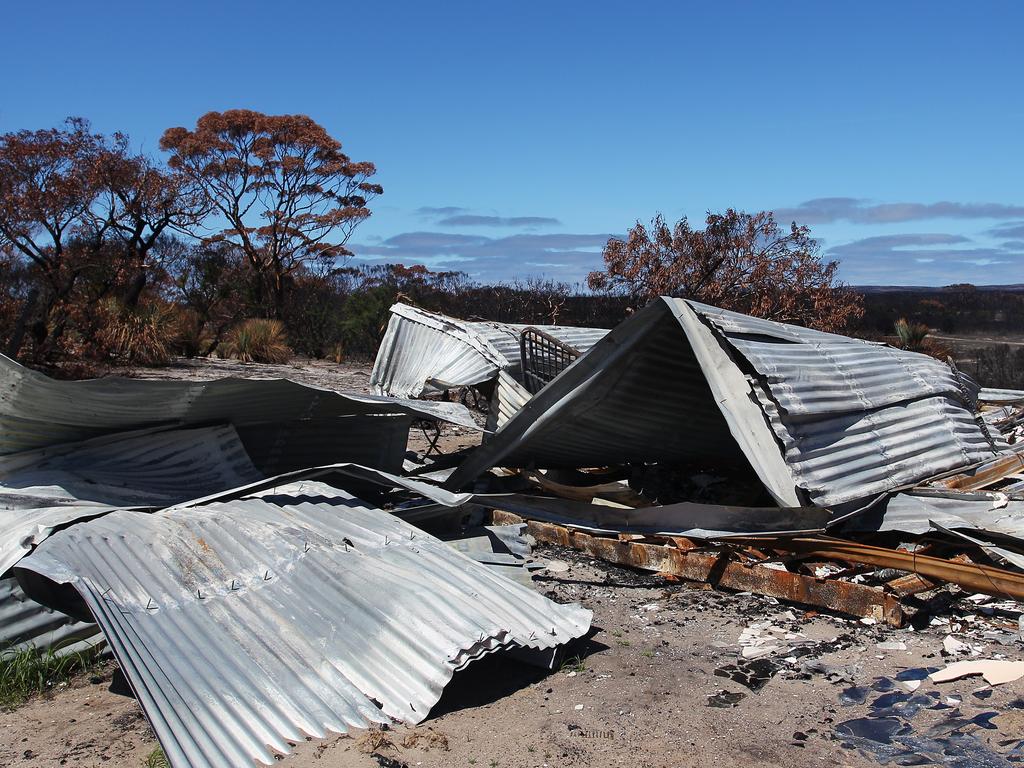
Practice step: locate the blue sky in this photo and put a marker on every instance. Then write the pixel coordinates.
(512, 139)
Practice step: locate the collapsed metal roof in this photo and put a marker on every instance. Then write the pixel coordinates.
(818, 417)
(242, 625)
(70, 450)
(426, 352)
(251, 610)
(37, 411)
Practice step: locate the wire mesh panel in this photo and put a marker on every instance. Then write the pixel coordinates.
(543, 357)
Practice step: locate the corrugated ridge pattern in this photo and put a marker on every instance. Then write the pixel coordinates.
(244, 625)
(812, 373)
(836, 377)
(509, 398)
(855, 418)
(420, 347)
(413, 353)
(37, 411)
(739, 323)
(48, 487)
(23, 621)
(504, 337)
(995, 395)
(657, 406)
(854, 456)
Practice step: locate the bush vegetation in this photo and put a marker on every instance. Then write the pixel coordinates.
(258, 340)
(25, 672)
(108, 257)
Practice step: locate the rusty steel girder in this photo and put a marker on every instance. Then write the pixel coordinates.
(724, 570)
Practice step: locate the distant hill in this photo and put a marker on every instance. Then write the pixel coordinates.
(1014, 288)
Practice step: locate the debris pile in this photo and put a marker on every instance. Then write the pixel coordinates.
(250, 536)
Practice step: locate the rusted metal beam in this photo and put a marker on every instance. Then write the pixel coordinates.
(721, 570)
(910, 584)
(983, 475)
(971, 576)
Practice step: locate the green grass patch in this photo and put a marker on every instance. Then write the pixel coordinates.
(575, 664)
(26, 671)
(156, 759)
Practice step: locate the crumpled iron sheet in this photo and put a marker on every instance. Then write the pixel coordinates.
(856, 418)
(1000, 396)
(26, 623)
(49, 487)
(508, 399)
(850, 419)
(810, 373)
(504, 337)
(426, 353)
(977, 515)
(37, 411)
(245, 624)
(638, 395)
(847, 457)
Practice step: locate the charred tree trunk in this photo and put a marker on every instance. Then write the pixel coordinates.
(135, 288)
(18, 335)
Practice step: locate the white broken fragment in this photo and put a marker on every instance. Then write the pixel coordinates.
(954, 647)
(752, 651)
(756, 652)
(892, 645)
(909, 685)
(995, 672)
(557, 566)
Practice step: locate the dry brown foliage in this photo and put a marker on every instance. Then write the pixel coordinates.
(739, 261)
(258, 340)
(376, 740)
(290, 196)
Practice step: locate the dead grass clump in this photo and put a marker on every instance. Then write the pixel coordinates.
(258, 341)
(375, 740)
(143, 335)
(193, 339)
(425, 739)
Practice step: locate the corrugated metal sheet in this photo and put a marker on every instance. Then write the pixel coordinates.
(851, 456)
(24, 622)
(996, 524)
(508, 399)
(426, 352)
(855, 418)
(639, 395)
(49, 487)
(37, 411)
(851, 419)
(1000, 396)
(504, 337)
(246, 624)
(920, 511)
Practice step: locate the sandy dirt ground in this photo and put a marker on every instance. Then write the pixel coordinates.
(661, 681)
